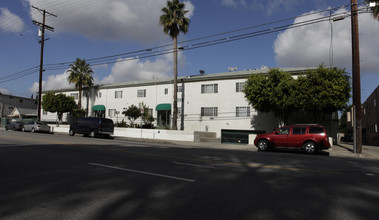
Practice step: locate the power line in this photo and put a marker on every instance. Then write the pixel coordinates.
(166, 49)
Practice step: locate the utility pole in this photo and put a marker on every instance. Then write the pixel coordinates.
(42, 26)
(356, 78)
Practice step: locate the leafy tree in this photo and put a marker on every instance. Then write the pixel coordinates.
(375, 10)
(58, 103)
(174, 21)
(272, 92)
(147, 118)
(323, 91)
(80, 74)
(133, 112)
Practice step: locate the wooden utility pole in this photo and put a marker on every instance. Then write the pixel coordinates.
(356, 78)
(42, 26)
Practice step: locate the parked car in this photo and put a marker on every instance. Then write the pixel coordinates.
(310, 138)
(36, 126)
(92, 126)
(15, 126)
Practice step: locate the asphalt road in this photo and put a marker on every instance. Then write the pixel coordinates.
(45, 176)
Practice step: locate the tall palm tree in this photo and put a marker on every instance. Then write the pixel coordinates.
(375, 10)
(80, 74)
(174, 21)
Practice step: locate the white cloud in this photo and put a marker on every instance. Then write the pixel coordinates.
(53, 82)
(133, 20)
(5, 91)
(10, 22)
(130, 69)
(310, 45)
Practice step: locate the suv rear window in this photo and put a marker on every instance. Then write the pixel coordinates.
(298, 130)
(316, 130)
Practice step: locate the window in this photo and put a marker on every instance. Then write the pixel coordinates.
(298, 130)
(141, 93)
(180, 88)
(243, 111)
(240, 86)
(118, 94)
(44, 112)
(166, 91)
(112, 112)
(209, 88)
(99, 94)
(316, 130)
(75, 95)
(209, 111)
(284, 130)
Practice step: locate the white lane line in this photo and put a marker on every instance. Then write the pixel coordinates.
(142, 172)
(194, 165)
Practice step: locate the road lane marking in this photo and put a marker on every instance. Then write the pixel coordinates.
(142, 172)
(91, 146)
(194, 165)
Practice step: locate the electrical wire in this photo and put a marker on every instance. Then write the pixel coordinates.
(160, 50)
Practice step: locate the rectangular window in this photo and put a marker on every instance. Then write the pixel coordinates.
(75, 95)
(180, 88)
(141, 93)
(99, 94)
(209, 111)
(240, 86)
(316, 130)
(298, 130)
(44, 112)
(166, 91)
(209, 88)
(118, 94)
(243, 111)
(112, 112)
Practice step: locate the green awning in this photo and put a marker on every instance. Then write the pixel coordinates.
(163, 107)
(98, 108)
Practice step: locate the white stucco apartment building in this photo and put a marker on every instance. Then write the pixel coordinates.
(211, 102)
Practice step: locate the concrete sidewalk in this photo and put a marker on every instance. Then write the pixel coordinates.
(346, 149)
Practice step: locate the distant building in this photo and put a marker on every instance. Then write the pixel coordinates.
(8, 104)
(370, 119)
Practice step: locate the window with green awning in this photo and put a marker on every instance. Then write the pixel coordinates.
(98, 108)
(163, 107)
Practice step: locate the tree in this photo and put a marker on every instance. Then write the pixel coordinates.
(58, 103)
(146, 116)
(80, 74)
(174, 21)
(323, 91)
(133, 112)
(374, 10)
(272, 92)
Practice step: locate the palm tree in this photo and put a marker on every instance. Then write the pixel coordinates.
(174, 21)
(375, 10)
(80, 74)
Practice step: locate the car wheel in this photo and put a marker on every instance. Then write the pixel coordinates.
(93, 134)
(263, 145)
(310, 147)
(72, 133)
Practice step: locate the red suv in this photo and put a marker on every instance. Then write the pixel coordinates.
(310, 138)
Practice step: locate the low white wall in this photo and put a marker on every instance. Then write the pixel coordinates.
(141, 133)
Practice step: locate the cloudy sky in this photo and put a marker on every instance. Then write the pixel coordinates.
(123, 41)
